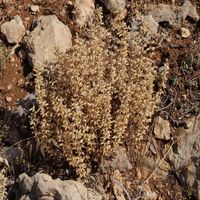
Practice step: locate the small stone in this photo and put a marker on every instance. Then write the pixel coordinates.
(151, 24)
(162, 129)
(9, 87)
(178, 36)
(35, 8)
(12, 59)
(84, 10)
(185, 33)
(27, 18)
(163, 13)
(14, 30)
(8, 99)
(118, 6)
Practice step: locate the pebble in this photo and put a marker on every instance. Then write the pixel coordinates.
(35, 8)
(185, 33)
(12, 59)
(8, 99)
(9, 87)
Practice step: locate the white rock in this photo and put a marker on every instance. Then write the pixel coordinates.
(35, 8)
(185, 33)
(162, 129)
(84, 10)
(49, 38)
(14, 30)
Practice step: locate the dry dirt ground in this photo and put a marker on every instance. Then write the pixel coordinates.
(180, 99)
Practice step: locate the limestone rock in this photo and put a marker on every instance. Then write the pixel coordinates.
(41, 186)
(49, 37)
(163, 13)
(14, 30)
(162, 129)
(84, 10)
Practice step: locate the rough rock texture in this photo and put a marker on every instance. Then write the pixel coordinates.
(14, 30)
(151, 24)
(148, 164)
(84, 10)
(163, 13)
(162, 129)
(185, 155)
(42, 186)
(119, 161)
(115, 5)
(49, 38)
(187, 10)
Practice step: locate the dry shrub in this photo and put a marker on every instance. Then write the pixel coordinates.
(2, 186)
(92, 98)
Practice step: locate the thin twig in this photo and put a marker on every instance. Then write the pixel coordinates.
(157, 165)
(123, 188)
(16, 144)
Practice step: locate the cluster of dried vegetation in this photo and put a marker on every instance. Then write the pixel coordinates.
(2, 186)
(95, 96)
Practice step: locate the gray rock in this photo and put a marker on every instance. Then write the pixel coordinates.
(163, 13)
(150, 23)
(14, 30)
(25, 183)
(84, 10)
(119, 161)
(185, 155)
(49, 38)
(162, 129)
(42, 186)
(115, 5)
(187, 10)
(187, 146)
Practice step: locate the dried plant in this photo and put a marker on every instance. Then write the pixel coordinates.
(2, 186)
(101, 91)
